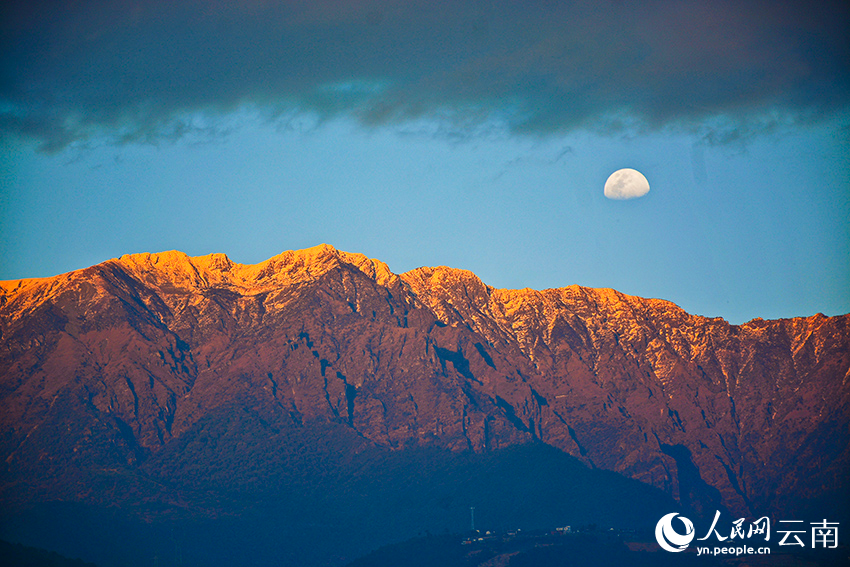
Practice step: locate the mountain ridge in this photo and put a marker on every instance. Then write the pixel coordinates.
(137, 350)
(308, 259)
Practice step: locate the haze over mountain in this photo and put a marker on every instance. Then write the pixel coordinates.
(170, 388)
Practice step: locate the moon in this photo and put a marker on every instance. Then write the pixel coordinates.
(626, 184)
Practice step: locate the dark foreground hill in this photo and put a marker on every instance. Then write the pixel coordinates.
(588, 546)
(16, 555)
(309, 408)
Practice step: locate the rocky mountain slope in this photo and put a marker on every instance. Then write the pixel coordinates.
(149, 365)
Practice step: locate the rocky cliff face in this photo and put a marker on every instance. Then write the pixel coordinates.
(123, 366)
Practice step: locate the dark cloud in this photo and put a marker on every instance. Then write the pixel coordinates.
(134, 70)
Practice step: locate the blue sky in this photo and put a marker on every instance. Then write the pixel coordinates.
(477, 135)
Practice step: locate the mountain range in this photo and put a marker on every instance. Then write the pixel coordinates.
(178, 401)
